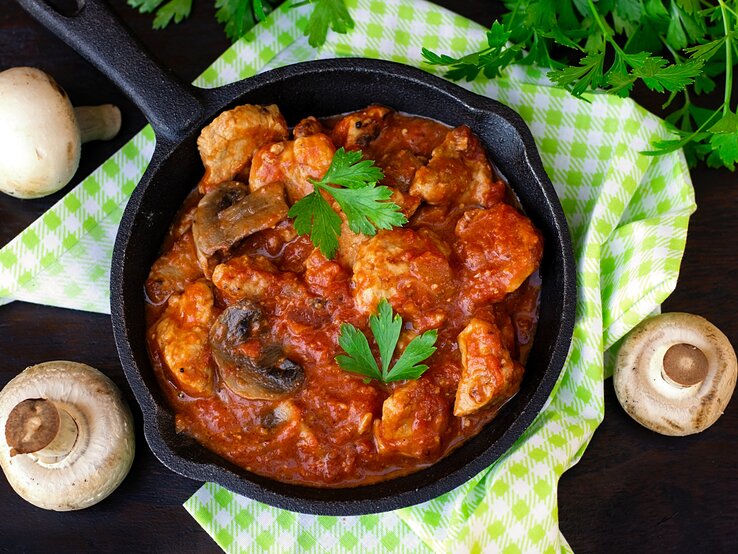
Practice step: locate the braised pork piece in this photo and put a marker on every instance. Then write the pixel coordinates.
(244, 314)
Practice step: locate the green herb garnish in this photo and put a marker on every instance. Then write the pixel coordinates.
(239, 16)
(386, 330)
(352, 183)
(678, 48)
(327, 14)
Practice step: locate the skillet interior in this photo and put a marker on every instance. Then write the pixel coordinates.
(326, 88)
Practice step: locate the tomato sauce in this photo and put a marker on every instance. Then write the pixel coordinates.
(465, 264)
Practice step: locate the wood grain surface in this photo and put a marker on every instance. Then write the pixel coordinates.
(633, 490)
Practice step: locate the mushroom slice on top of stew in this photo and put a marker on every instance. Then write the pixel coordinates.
(249, 367)
(229, 213)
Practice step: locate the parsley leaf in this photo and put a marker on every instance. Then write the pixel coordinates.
(237, 16)
(348, 170)
(725, 149)
(726, 124)
(490, 61)
(659, 76)
(327, 13)
(315, 217)
(360, 359)
(585, 76)
(145, 6)
(364, 209)
(420, 348)
(365, 205)
(386, 330)
(174, 9)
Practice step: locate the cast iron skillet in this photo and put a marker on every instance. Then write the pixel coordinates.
(177, 112)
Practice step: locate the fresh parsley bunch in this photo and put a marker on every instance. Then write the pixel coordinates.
(679, 48)
(239, 16)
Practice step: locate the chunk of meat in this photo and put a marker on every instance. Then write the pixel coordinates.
(399, 168)
(293, 163)
(348, 245)
(228, 143)
(294, 254)
(489, 376)
(357, 130)
(184, 218)
(322, 276)
(306, 127)
(418, 135)
(499, 249)
(247, 277)
(344, 415)
(407, 203)
(408, 268)
(348, 241)
(439, 219)
(414, 418)
(173, 270)
(458, 172)
(404, 146)
(181, 336)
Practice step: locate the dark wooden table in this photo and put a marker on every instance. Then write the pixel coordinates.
(633, 490)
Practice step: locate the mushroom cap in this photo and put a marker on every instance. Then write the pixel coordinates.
(103, 453)
(675, 373)
(40, 142)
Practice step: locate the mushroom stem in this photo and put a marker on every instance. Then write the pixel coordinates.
(684, 365)
(97, 122)
(42, 429)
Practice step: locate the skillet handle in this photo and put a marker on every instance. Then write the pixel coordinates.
(96, 33)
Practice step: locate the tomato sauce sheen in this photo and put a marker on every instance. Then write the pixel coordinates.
(439, 272)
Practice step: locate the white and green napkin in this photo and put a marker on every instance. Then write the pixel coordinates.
(628, 215)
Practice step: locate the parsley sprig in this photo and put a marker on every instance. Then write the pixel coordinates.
(678, 48)
(386, 331)
(352, 182)
(239, 16)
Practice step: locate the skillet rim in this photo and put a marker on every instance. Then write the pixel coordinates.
(215, 100)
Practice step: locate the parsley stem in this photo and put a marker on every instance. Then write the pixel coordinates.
(605, 31)
(728, 58)
(685, 140)
(731, 10)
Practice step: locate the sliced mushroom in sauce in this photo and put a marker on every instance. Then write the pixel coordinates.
(227, 214)
(248, 367)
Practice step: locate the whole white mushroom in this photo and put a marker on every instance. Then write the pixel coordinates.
(675, 373)
(66, 435)
(41, 133)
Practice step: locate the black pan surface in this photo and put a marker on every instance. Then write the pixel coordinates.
(321, 88)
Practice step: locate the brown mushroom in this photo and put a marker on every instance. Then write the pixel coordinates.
(68, 435)
(675, 373)
(248, 367)
(228, 213)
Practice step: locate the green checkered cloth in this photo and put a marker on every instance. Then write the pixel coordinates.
(628, 215)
